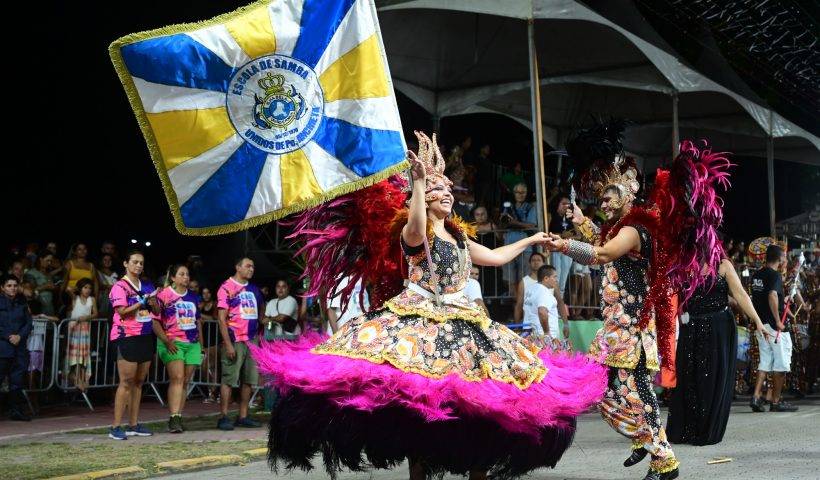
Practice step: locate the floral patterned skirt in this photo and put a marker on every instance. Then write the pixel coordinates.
(434, 349)
(452, 394)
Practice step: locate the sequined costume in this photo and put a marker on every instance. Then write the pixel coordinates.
(414, 334)
(630, 351)
(677, 234)
(433, 381)
(707, 351)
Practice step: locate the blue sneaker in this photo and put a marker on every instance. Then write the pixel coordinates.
(224, 423)
(138, 431)
(117, 433)
(246, 422)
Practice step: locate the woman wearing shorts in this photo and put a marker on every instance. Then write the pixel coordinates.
(178, 331)
(132, 336)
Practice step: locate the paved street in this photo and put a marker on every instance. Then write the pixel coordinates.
(763, 446)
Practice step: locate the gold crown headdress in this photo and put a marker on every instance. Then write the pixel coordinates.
(620, 174)
(430, 157)
(597, 153)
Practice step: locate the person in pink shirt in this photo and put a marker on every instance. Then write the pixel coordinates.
(238, 303)
(178, 331)
(132, 337)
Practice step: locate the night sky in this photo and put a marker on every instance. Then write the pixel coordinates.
(81, 170)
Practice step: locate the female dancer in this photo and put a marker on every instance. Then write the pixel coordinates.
(427, 376)
(707, 350)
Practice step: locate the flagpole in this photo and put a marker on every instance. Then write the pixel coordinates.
(537, 134)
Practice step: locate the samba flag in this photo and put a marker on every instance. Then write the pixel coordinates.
(264, 111)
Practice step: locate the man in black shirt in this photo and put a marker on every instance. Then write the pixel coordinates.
(775, 354)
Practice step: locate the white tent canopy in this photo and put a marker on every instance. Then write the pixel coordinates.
(468, 56)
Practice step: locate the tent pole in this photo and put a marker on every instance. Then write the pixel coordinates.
(537, 134)
(675, 126)
(770, 173)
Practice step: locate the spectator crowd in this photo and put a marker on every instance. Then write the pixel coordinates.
(199, 326)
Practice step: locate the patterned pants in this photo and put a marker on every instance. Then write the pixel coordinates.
(631, 408)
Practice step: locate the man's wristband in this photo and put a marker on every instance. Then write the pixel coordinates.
(581, 252)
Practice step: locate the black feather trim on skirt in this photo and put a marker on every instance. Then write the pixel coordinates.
(303, 425)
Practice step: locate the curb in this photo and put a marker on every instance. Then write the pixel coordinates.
(123, 473)
(256, 453)
(189, 464)
(173, 466)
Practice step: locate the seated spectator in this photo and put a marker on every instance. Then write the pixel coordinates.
(81, 311)
(473, 289)
(15, 327)
(520, 220)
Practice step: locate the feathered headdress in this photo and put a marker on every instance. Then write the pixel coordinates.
(599, 160)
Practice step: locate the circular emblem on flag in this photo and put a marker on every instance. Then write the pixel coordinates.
(276, 103)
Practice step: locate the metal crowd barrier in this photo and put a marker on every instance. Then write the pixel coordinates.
(101, 369)
(42, 379)
(495, 289)
(207, 376)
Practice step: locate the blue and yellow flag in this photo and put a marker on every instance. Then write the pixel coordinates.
(264, 111)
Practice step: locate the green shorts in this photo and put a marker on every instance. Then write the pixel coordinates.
(243, 367)
(190, 353)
